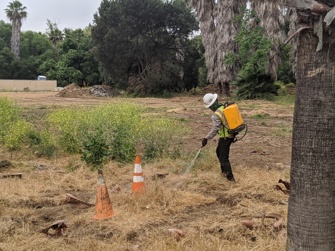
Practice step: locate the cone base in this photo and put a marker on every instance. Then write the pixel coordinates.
(96, 217)
(103, 207)
(138, 187)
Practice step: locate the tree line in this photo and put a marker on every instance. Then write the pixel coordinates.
(145, 47)
(148, 47)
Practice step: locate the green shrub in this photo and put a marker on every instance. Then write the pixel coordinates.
(161, 137)
(14, 130)
(43, 143)
(67, 124)
(282, 91)
(252, 59)
(253, 85)
(119, 128)
(9, 114)
(118, 123)
(34, 138)
(124, 130)
(17, 135)
(95, 150)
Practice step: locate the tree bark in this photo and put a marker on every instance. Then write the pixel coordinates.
(218, 30)
(15, 39)
(272, 20)
(311, 210)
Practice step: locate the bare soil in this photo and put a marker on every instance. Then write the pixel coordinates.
(202, 204)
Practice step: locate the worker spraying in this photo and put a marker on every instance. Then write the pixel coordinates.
(227, 123)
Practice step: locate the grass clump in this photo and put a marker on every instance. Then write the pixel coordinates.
(14, 129)
(160, 137)
(260, 116)
(9, 114)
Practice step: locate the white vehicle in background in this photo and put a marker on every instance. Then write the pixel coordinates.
(41, 77)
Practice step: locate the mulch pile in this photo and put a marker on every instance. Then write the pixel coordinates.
(75, 91)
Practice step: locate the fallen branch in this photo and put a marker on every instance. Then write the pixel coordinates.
(74, 200)
(11, 175)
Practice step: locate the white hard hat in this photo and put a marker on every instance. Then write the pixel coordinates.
(209, 99)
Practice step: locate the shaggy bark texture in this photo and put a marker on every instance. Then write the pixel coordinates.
(15, 39)
(218, 30)
(272, 19)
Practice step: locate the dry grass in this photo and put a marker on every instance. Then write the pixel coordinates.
(201, 203)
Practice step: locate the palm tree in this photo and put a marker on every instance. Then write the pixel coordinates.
(54, 34)
(270, 14)
(311, 210)
(218, 30)
(16, 12)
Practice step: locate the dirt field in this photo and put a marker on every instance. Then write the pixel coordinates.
(202, 204)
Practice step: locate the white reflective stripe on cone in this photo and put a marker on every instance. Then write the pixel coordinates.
(138, 168)
(138, 179)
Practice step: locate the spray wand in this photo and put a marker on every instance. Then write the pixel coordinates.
(193, 161)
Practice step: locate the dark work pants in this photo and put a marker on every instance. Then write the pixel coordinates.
(222, 152)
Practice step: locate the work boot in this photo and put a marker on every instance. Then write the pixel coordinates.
(230, 177)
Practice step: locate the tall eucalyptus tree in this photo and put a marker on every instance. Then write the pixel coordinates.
(16, 12)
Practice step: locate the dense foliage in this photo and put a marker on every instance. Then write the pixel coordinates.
(67, 59)
(140, 46)
(144, 45)
(252, 56)
(99, 133)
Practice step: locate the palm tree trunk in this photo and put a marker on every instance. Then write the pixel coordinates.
(311, 210)
(218, 30)
(272, 20)
(15, 39)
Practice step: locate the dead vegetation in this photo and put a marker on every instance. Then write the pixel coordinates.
(51, 207)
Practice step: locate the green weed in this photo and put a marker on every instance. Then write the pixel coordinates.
(122, 125)
(286, 100)
(95, 150)
(9, 114)
(283, 131)
(260, 116)
(160, 137)
(17, 135)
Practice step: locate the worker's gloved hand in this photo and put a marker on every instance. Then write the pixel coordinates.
(204, 142)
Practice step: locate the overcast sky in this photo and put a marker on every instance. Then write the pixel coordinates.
(66, 13)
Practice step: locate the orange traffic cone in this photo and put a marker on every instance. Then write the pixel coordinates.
(103, 205)
(138, 180)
